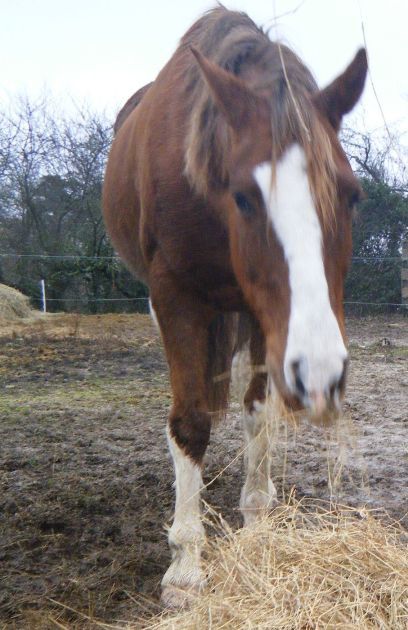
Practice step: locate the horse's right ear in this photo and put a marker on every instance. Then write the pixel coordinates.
(237, 102)
(339, 98)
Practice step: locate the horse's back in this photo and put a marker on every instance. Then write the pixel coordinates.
(148, 143)
(121, 191)
(129, 106)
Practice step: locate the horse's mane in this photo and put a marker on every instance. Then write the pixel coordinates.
(232, 40)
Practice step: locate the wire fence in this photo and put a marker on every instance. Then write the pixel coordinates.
(142, 301)
(81, 257)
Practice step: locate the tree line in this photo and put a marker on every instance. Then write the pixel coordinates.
(51, 174)
(381, 219)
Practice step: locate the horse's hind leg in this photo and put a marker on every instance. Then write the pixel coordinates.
(258, 494)
(184, 327)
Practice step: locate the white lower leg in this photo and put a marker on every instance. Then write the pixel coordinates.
(258, 494)
(186, 534)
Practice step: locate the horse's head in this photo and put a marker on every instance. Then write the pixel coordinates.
(288, 205)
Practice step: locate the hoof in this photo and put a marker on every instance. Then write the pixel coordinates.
(178, 598)
(257, 505)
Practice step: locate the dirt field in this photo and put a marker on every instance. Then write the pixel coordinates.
(86, 481)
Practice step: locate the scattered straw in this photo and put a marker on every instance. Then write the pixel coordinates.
(303, 567)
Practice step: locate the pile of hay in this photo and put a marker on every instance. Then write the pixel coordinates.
(13, 304)
(303, 569)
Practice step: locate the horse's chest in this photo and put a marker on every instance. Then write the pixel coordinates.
(196, 250)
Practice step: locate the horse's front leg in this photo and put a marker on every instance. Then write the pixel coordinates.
(184, 329)
(258, 494)
(186, 535)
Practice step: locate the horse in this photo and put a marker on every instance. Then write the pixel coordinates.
(228, 193)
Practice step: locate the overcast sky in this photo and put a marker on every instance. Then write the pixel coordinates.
(101, 51)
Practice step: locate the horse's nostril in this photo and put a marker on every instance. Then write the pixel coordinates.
(342, 381)
(300, 388)
(338, 386)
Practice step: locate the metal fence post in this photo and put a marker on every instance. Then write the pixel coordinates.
(43, 300)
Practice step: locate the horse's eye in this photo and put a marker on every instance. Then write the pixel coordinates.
(243, 203)
(354, 199)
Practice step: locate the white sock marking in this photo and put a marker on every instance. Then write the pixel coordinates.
(314, 337)
(258, 493)
(186, 534)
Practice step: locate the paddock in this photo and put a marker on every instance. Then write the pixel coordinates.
(87, 483)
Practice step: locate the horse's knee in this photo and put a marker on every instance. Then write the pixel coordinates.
(191, 431)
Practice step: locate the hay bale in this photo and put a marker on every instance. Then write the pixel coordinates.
(303, 569)
(13, 304)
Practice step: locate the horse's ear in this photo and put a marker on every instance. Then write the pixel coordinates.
(339, 98)
(237, 102)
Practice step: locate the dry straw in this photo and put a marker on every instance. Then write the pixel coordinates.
(13, 304)
(307, 566)
(304, 567)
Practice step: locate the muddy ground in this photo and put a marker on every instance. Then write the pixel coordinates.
(86, 481)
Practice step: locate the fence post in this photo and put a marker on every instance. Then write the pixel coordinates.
(43, 300)
(404, 272)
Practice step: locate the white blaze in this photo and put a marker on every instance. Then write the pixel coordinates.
(314, 338)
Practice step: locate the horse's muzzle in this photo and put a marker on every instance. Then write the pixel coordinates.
(322, 406)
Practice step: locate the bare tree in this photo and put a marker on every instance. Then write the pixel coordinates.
(51, 173)
(382, 157)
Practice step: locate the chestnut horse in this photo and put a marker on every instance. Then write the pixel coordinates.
(227, 192)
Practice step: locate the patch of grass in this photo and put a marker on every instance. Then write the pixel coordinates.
(376, 351)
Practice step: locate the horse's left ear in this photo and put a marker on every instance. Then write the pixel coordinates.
(339, 98)
(237, 102)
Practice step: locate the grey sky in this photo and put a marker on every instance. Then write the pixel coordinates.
(100, 51)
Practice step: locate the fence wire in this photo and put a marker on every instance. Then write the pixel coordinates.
(88, 300)
(81, 257)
